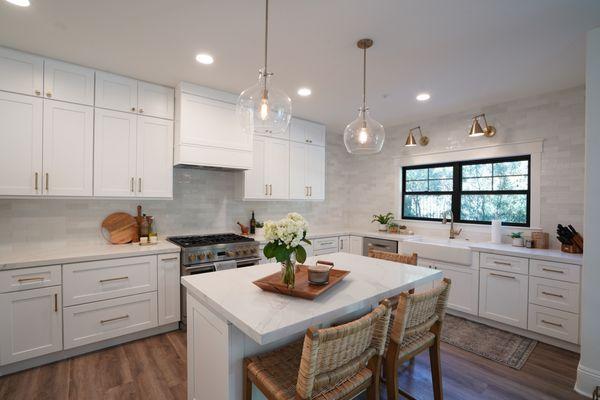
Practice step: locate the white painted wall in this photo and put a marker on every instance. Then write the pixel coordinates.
(588, 372)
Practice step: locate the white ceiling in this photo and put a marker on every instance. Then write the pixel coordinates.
(466, 53)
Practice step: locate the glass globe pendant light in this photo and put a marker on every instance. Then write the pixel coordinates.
(263, 108)
(364, 135)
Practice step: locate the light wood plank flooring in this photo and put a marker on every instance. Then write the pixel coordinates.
(154, 368)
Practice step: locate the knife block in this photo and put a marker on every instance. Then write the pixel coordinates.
(570, 248)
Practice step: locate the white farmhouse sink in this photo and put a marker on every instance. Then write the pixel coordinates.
(454, 251)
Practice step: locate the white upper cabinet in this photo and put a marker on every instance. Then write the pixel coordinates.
(155, 100)
(68, 149)
(298, 158)
(307, 132)
(277, 166)
(255, 186)
(307, 172)
(21, 72)
(154, 157)
(21, 144)
(115, 153)
(116, 92)
(68, 82)
(316, 172)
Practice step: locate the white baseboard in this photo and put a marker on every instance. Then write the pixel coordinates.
(519, 331)
(587, 380)
(88, 348)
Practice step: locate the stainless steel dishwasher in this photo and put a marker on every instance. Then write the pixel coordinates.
(391, 246)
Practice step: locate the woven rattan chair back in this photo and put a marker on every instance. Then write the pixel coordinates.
(401, 258)
(417, 313)
(332, 355)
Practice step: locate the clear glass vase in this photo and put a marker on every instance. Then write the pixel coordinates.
(288, 273)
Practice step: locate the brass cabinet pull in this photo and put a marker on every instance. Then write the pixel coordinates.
(36, 181)
(47, 181)
(132, 184)
(552, 323)
(37, 92)
(553, 270)
(141, 110)
(502, 263)
(140, 185)
(55, 302)
(504, 276)
(169, 259)
(104, 321)
(132, 108)
(310, 191)
(553, 294)
(113, 279)
(266, 190)
(48, 94)
(270, 190)
(33, 278)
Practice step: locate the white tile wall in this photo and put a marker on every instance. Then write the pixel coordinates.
(357, 186)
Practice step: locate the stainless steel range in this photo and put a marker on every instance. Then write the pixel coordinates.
(209, 253)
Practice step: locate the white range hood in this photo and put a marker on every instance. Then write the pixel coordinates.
(207, 131)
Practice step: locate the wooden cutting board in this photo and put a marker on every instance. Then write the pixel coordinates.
(302, 288)
(119, 228)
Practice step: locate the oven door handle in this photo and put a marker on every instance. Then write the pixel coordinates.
(246, 262)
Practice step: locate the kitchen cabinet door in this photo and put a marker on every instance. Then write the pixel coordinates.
(154, 157)
(503, 297)
(255, 186)
(115, 92)
(115, 153)
(344, 244)
(298, 168)
(168, 288)
(21, 143)
(298, 130)
(315, 167)
(464, 295)
(68, 149)
(315, 133)
(21, 72)
(356, 245)
(155, 100)
(68, 82)
(31, 324)
(277, 165)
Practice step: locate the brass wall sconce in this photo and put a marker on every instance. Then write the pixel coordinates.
(410, 140)
(476, 129)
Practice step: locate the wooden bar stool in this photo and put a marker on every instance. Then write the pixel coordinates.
(401, 258)
(334, 363)
(416, 326)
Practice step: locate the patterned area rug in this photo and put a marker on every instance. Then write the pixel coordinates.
(494, 344)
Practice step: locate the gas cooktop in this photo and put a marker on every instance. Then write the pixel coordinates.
(208, 240)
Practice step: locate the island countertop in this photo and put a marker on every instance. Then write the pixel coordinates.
(267, 317)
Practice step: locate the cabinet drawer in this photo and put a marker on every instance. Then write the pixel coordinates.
(517, 265)
(107, 279)
(555, 270)
(559, 324)
(89, 323)
(29, 278)
(325, 243)
(554, 294)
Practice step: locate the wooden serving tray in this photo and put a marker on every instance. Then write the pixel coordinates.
(303, 289)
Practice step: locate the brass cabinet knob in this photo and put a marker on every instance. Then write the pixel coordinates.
(48, 94)
(141, 110)
(37, 92)
(132, 108)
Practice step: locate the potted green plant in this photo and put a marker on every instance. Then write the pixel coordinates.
(393, 227)
(517, 239)
(284, 237)
(383, 220)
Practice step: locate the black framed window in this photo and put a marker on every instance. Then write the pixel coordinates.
(475, 191)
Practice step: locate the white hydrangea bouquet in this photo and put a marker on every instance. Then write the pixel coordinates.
(284, 238)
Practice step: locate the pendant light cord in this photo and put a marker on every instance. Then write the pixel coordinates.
(364, 78)
(266, 40)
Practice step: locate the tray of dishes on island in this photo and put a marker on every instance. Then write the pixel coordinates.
(311, 280)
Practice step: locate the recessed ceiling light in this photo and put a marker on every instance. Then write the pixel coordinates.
(205, 59)
(304, 92)
(423, 96)
(20, 3)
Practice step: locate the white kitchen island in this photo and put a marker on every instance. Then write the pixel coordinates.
(230, 318)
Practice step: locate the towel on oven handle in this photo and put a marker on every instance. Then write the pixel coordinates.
(224, 265)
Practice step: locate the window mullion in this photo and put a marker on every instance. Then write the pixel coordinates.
(456, 189)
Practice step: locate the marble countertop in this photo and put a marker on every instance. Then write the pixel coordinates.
(540, 254)
(267, 317)
(63, 253)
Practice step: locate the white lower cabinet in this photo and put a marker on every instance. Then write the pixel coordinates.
(31, 324)
(344, 244)
(101, 320)
(503, 297)
(559, 324)
(464, 294)
(356, 245)
(168, 289)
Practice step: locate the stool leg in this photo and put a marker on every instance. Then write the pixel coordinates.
(436, 369)
(247, 383)
(391, 377)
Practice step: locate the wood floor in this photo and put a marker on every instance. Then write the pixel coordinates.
(154, 368)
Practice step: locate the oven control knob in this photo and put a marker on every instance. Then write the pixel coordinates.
(231, 254)
(210, 255)
(191, 257)
(201, 256)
